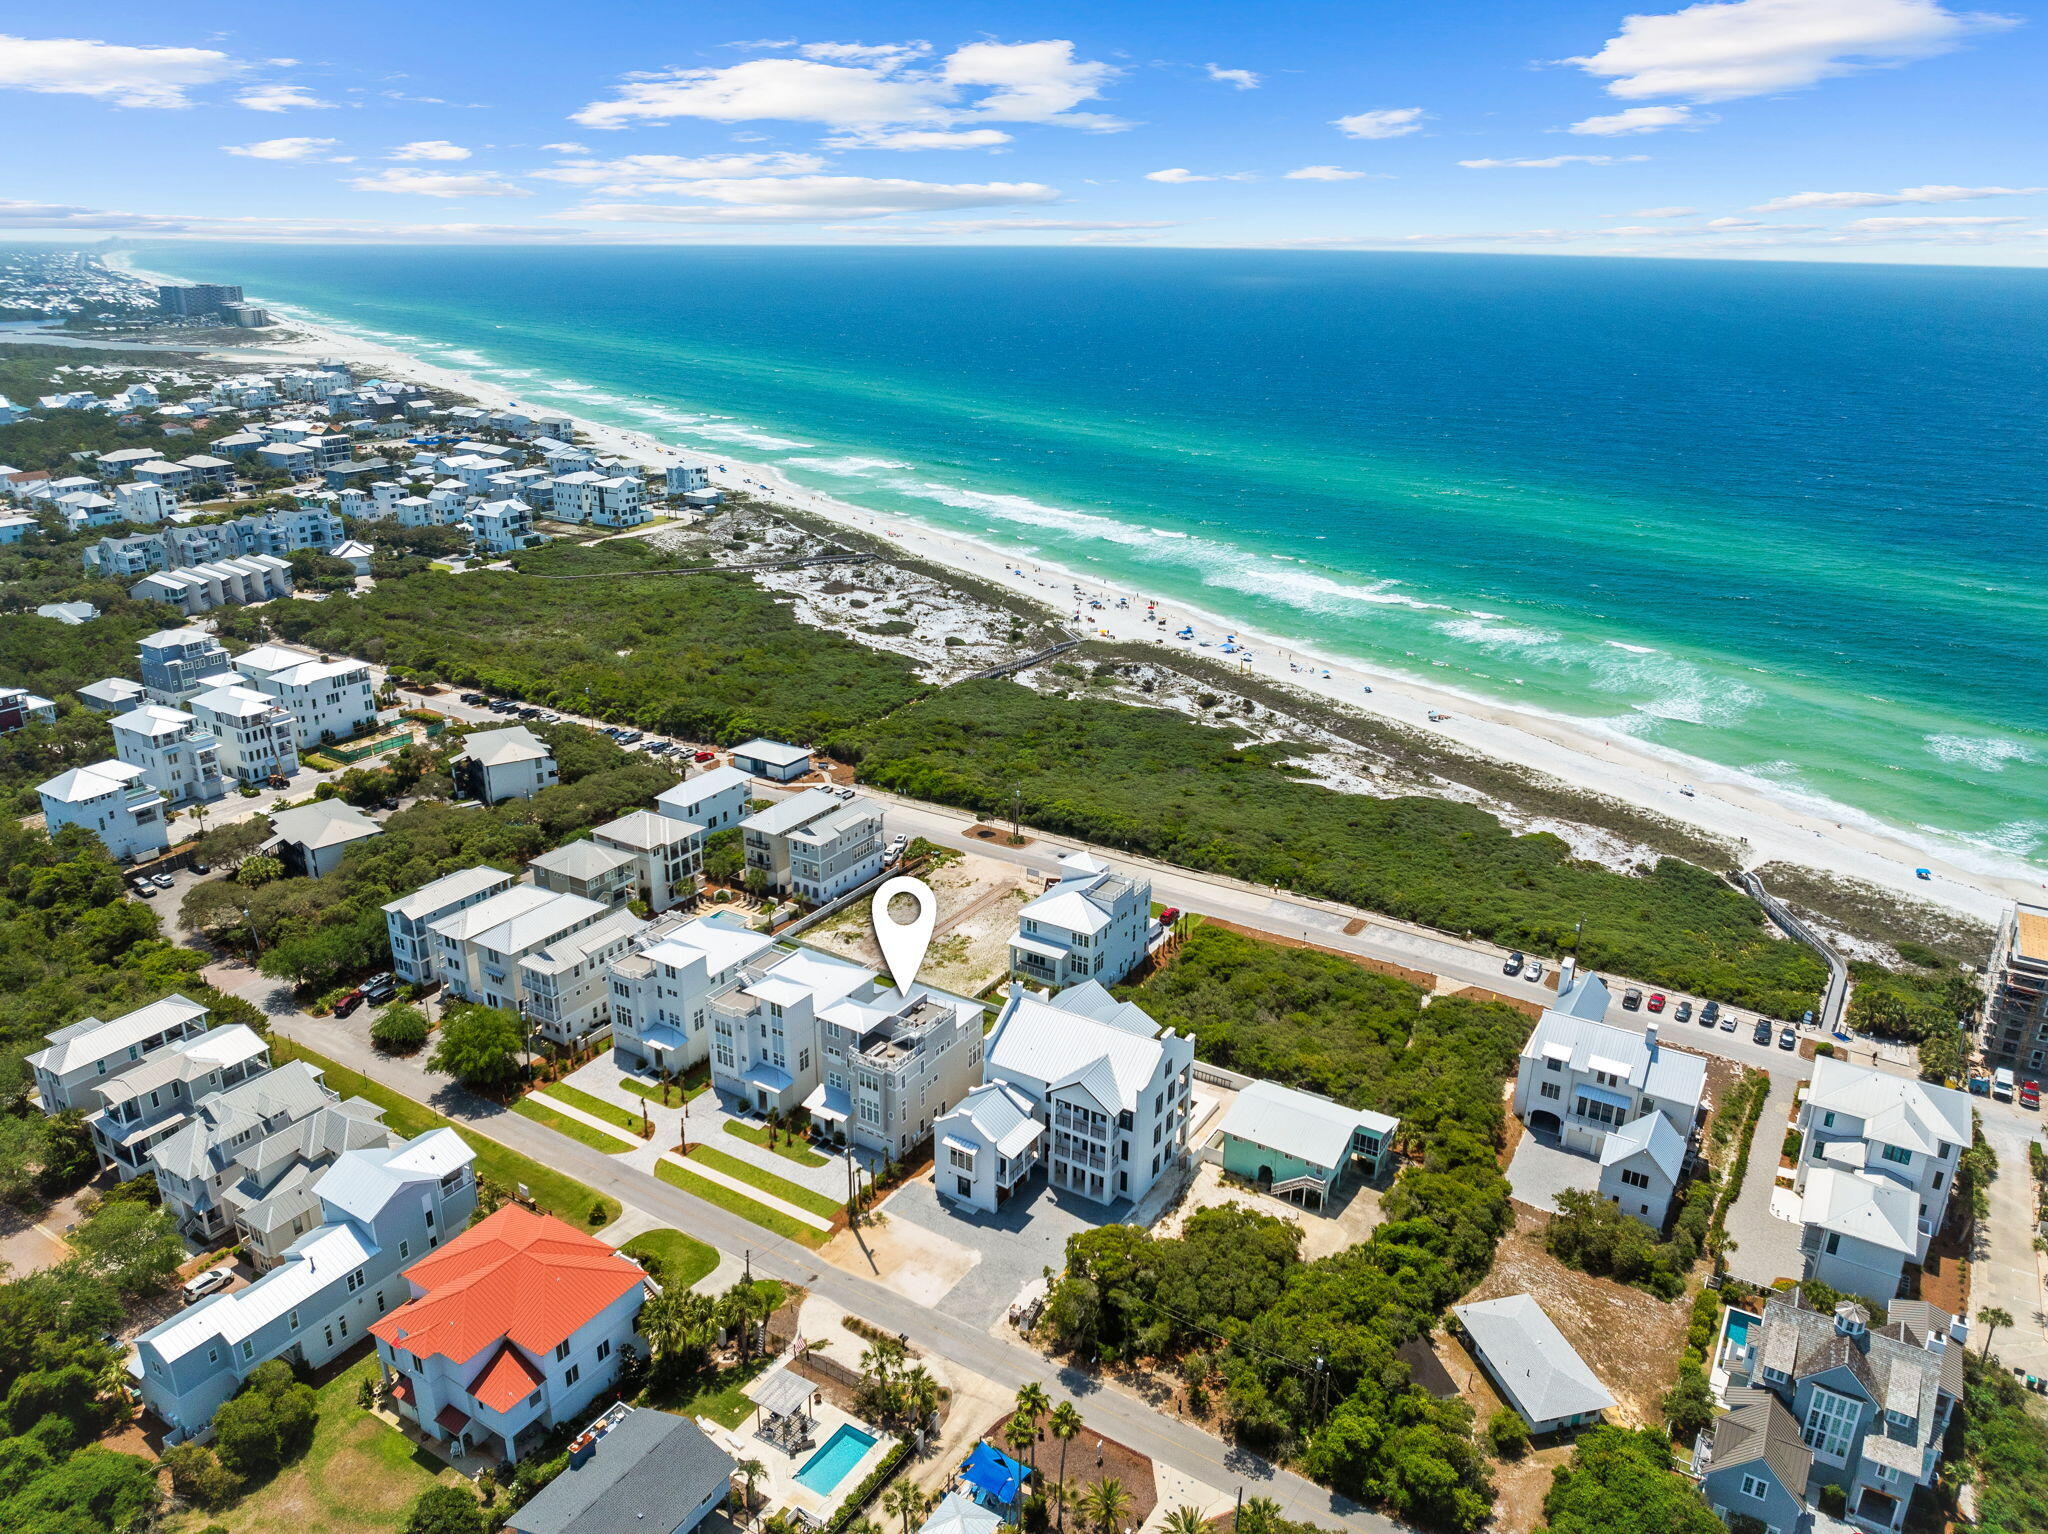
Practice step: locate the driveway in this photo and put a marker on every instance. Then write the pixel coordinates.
(1542, 1169)
(2007, 1271)
(1764, 1247)
(1017, 1243)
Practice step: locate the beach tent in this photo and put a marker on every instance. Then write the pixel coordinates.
(994, 1474)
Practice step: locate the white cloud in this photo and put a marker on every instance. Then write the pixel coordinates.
(429, 149)
(280, 98)
(568, 148)
(1243, 79)
(1911, 194)
(1176, 176)
(1008, 82)
(814, 199)
(1033, 82)
(110, 72)
(917, 138)
(1386, 122)
(437, 183)
(1551, 162)
(1926, 221)
(1640, 120)
(643, 173)
(297, 149)
(789, 90)
(1327, 173)
(1679, 212)
(1719, 50)
(887, 55)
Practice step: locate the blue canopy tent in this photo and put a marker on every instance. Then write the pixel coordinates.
(997, 1480)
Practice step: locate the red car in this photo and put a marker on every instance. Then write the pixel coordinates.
(348, 1003)
(2030, 1094)
(1656, 1001)
(703, 756)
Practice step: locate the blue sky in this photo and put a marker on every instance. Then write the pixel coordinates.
(1894, 130)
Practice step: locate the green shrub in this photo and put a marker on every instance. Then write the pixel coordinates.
(1507, 1434)
(400, 1031)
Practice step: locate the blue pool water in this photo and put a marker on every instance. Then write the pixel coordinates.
(1738, 1327)
(829, 1466)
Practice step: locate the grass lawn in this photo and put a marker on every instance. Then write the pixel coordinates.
(558, 1194)
(757, 1134)
(714, 1394)
(596, 1107)
(767, 1182)
(359, 1476)
(597, 1139)
(696, 1081)
(717, 1193)
(682, 1260)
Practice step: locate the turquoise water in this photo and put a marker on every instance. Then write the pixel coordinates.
(1783, 518)
(835, 1460)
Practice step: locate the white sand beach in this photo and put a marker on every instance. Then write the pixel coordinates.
(1723, 803)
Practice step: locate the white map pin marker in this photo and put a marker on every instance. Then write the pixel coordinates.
(903, 943)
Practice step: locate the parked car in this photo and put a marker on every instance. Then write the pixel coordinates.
(201, 868)
(1807, 1020)
(1710, 1013)
(1631, 1000)
(162, 881)
(1683, 1011)
(143, 888)
(1534, 973)
(379, 988)
(2030, 1094)
(1656, 1002)
(1513, 966)
(1729, 1021)
(199, 1285)
(348, 1003)
(1789, 1038)
(474, 698)
(629, 737)
(1763, 1032)
(704, 756)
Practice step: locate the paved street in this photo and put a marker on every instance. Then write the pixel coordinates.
(2007, 1271)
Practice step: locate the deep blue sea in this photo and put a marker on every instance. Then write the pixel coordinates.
(1787, 518)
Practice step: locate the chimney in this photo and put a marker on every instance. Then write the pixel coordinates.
(1565, 972)
(1650, 1037)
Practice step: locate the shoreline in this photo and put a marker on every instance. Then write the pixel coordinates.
(1770, 825)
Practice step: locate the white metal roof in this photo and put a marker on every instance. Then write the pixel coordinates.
(775, 753)
(446, 890)
(501, 748)
(1896, 1110)
(324, 823)
(1867, 1208)
(1529, 1357)
(1301, 1124)
(1651, 1133)
(88, 1040)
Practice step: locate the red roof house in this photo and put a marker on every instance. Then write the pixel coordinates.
(517, 1323)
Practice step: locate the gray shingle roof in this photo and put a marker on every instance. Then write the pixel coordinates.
(1758, 1427)
(1528, 1355)
(647, 1471)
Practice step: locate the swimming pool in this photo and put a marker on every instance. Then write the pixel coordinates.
(1738, 1327)
(828, 1467)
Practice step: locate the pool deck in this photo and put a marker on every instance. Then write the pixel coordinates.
(779, 1488)
(1720, 1375)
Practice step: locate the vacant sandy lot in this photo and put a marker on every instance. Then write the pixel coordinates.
(978, 902)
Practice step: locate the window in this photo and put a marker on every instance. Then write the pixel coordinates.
(604, 1350)
(213, 1355)
(561, 1350)
(1553, 1065)
(1827, 1121)
(1635, 1179)
(404, 1250)
(1755, 1487)
(248, 1351)
(1551, 1089)
(1899, 1154)
(1830, 1423)
(1940, 1178)
(575, 1373)
(355, 1281)
(295, 1320)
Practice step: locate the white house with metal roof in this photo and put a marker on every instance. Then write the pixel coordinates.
(987, 1147)
(478, 949)
(113, 801)
(149, 1102)
(1857, 1232)
(565, 981)
(327, 699)
(1526, 1357)
(408, 920)
(816, 845)
(660, 992)
(1296, 1144)
(1109, 1085)
(1897, 1131)
(1580, 1080)
(381, 1209)
(195, 1163)
(311, 838)
(716, 800)
(84, 1054)
(1092, 924)
(512, 763)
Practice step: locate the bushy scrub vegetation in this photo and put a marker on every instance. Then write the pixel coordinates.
(1594, 1236)
(317, 932)
(1622, 1482)
(2007, 1447)
(1303, 1353)
(704, 657)
(1156, 782)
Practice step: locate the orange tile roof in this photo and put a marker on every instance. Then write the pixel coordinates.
(513, 1276)
(506, 1380)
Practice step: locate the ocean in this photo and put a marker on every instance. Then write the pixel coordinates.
(1783, 518)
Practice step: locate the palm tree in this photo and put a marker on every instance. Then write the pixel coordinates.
(1066, 1427)
(750, 1471)
(1185, 1520)
(1032, 1405)
(1020, 1434)
(1260, 1515)
(1107, 1505)
(1992, 1318)
(905, 1502)
(920, 1395)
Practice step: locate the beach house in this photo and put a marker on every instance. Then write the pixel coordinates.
(494, 765)
(1090, 924)
(816, 845)
(179, 757)
(1529, 1362)
(1298, 1145)
(111, 800)
(516, 1325)
(715, 800)
(327, 699)
(408, 921)
(83, 1054)
(632, 1470)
